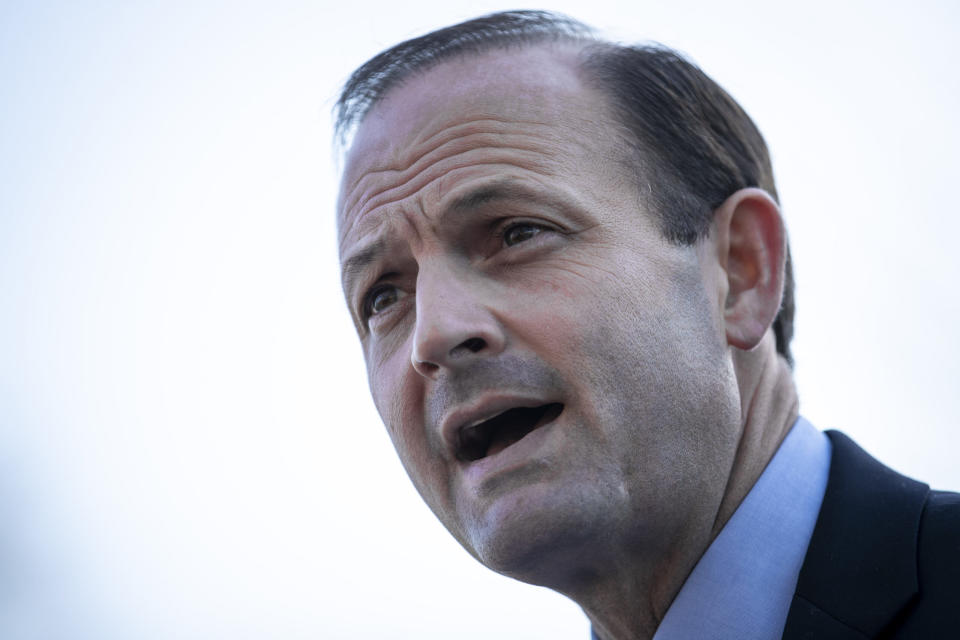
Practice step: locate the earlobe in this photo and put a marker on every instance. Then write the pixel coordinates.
(751, 244)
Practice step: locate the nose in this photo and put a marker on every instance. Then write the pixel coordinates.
(454, 326)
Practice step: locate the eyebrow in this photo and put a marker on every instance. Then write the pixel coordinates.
(503, 190)
(354, 265)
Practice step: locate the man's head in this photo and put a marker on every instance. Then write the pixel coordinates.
(556, 353)
(692, 144)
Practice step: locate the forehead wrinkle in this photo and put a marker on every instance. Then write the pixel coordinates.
(480, 133)
(385, 207)
(430, 144)
(367, 222)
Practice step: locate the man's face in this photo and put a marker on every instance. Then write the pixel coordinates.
(552, 372)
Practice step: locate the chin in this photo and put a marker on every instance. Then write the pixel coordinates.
(542, 536)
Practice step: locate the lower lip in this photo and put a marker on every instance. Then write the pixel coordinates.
(519, 454)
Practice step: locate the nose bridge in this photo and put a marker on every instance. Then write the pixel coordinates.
(454, 320)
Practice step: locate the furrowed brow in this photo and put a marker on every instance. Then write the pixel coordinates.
(354, 266)
(505, 190)
(486, 194)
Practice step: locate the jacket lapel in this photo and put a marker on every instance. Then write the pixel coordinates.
(860, 569)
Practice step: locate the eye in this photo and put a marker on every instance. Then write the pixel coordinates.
(379, 299)
(520, 232)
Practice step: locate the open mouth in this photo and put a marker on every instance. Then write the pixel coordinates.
(504, 429)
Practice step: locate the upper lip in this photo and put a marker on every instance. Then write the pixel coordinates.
(480, 410)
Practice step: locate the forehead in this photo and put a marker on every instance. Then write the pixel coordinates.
(514, 81)
(530, 99)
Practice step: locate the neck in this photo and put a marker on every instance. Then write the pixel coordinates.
(631, 605)
(769, 407)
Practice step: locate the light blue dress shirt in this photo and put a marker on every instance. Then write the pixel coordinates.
(742, 587)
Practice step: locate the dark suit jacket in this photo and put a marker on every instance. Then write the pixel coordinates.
(884, 559)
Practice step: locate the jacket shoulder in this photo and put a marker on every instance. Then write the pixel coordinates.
(935, 611)
(884, 559)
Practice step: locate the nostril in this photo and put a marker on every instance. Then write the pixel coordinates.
(427, 368)
(473, 344)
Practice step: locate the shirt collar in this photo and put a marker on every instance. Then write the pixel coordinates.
(743, 584)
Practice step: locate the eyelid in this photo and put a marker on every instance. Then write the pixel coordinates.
(505, 225)
(366, 300)
(365, 313)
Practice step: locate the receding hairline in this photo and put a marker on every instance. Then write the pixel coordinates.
(578, 49)
(570, 56)
(378, 77)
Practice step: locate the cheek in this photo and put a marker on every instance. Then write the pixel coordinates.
(397, 393)
(552, 321)
(395, 399)
(575, 300)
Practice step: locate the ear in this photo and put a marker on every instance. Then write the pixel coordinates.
(751, 249)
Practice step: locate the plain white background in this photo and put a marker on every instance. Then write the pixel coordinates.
(187, 447)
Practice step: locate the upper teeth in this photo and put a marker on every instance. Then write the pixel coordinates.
(482, 420)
